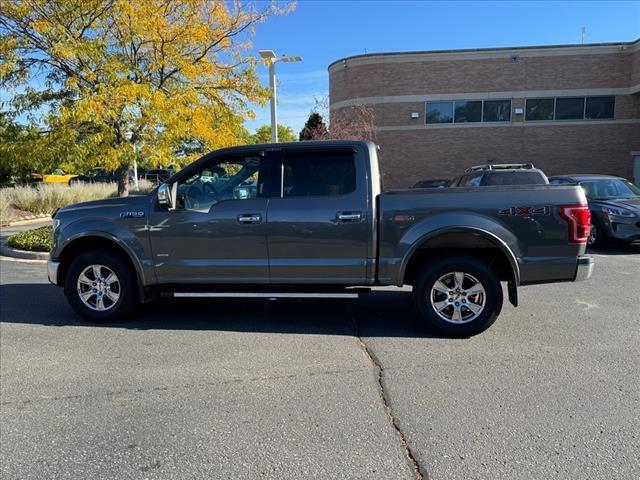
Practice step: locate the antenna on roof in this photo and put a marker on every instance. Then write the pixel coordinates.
(583, 33)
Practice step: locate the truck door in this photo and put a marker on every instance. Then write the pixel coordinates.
(217, 232)
(320, 226)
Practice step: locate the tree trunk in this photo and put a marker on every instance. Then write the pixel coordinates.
(123, 181)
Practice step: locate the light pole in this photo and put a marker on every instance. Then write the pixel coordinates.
(271, 58)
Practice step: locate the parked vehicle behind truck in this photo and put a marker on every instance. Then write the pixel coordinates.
(614, 203)
(311, 219)
(501, 174)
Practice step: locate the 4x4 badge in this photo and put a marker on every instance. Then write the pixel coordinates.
(525, 211)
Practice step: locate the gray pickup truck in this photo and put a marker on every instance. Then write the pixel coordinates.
(311, 219)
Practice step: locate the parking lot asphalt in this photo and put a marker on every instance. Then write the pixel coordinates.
(322, 389)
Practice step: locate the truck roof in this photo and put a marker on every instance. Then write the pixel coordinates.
(243, 149)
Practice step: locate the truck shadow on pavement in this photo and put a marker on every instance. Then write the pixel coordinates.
(383, 314)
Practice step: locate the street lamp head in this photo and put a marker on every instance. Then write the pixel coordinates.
(290, 59)
(267, 54)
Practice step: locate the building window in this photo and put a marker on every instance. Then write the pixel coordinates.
(468, 111)
(600, 107)
(570, 108)
(496, 111)
(539, 109)
(439, 112)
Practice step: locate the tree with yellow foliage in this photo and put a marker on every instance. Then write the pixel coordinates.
(118, 80)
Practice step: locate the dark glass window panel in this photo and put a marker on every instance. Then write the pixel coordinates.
(497, 111)
(515, 178)
(468, 111)
(322, 174)
(600, 107)
(471, 180)
(539, 109)
(439, 112)
(570, 108)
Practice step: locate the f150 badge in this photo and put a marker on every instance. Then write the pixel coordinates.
(525, 211)
(131, 214)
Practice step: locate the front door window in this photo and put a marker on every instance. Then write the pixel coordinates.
(234, 179)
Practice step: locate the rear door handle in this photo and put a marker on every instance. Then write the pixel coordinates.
(249, 218)
(349, 216)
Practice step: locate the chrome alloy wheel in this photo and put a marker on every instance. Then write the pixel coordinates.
(98, 288)
(458, 297)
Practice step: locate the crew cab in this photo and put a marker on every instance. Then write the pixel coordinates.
(311, 219)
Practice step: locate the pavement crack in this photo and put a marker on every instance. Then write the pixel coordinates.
(379, 369)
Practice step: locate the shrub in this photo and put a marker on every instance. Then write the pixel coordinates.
(37, 240)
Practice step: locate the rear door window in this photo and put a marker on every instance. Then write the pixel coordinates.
(308, 174)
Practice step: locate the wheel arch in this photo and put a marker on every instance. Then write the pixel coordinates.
(80, 244)
(468, 241)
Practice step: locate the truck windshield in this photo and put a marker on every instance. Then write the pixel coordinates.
(610, 188)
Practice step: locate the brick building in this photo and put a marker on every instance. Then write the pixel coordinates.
(567, 109)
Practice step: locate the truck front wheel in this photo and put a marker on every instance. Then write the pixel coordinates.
(100, 286)
(458, 296)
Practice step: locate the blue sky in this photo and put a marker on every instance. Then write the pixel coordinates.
(324, 31)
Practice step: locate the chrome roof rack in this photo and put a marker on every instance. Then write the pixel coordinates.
(501, 166)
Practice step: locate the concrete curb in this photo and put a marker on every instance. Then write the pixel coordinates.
(7, 251)
(27, 221)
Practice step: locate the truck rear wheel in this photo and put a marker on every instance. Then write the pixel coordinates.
(100, 286)
(458, 296)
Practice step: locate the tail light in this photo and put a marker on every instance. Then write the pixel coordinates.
(579, 219)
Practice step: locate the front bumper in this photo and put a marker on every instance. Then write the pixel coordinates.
(52, 271)
(584, 269)
(622, 228)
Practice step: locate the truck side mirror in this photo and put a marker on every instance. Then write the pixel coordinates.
(165, 199)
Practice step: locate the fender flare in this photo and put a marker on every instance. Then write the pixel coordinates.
(487, 235)
(139, 271)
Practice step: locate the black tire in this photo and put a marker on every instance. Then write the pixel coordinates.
(426, 280)
(127, 288)
(600, 238)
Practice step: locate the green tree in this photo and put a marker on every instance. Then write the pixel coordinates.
(14, 147)
(263, 134)
(314, 128)
(132, 79)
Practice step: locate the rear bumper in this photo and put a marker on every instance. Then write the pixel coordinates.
(584, 269)
(52, 271)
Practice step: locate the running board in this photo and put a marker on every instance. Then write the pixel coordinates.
(262, 291)
(260, 295)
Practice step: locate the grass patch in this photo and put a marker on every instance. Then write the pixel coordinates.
(5, 201)
(45, 198)
(37, 240)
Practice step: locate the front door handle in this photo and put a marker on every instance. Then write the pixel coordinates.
(349, 216)
(249, 218)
